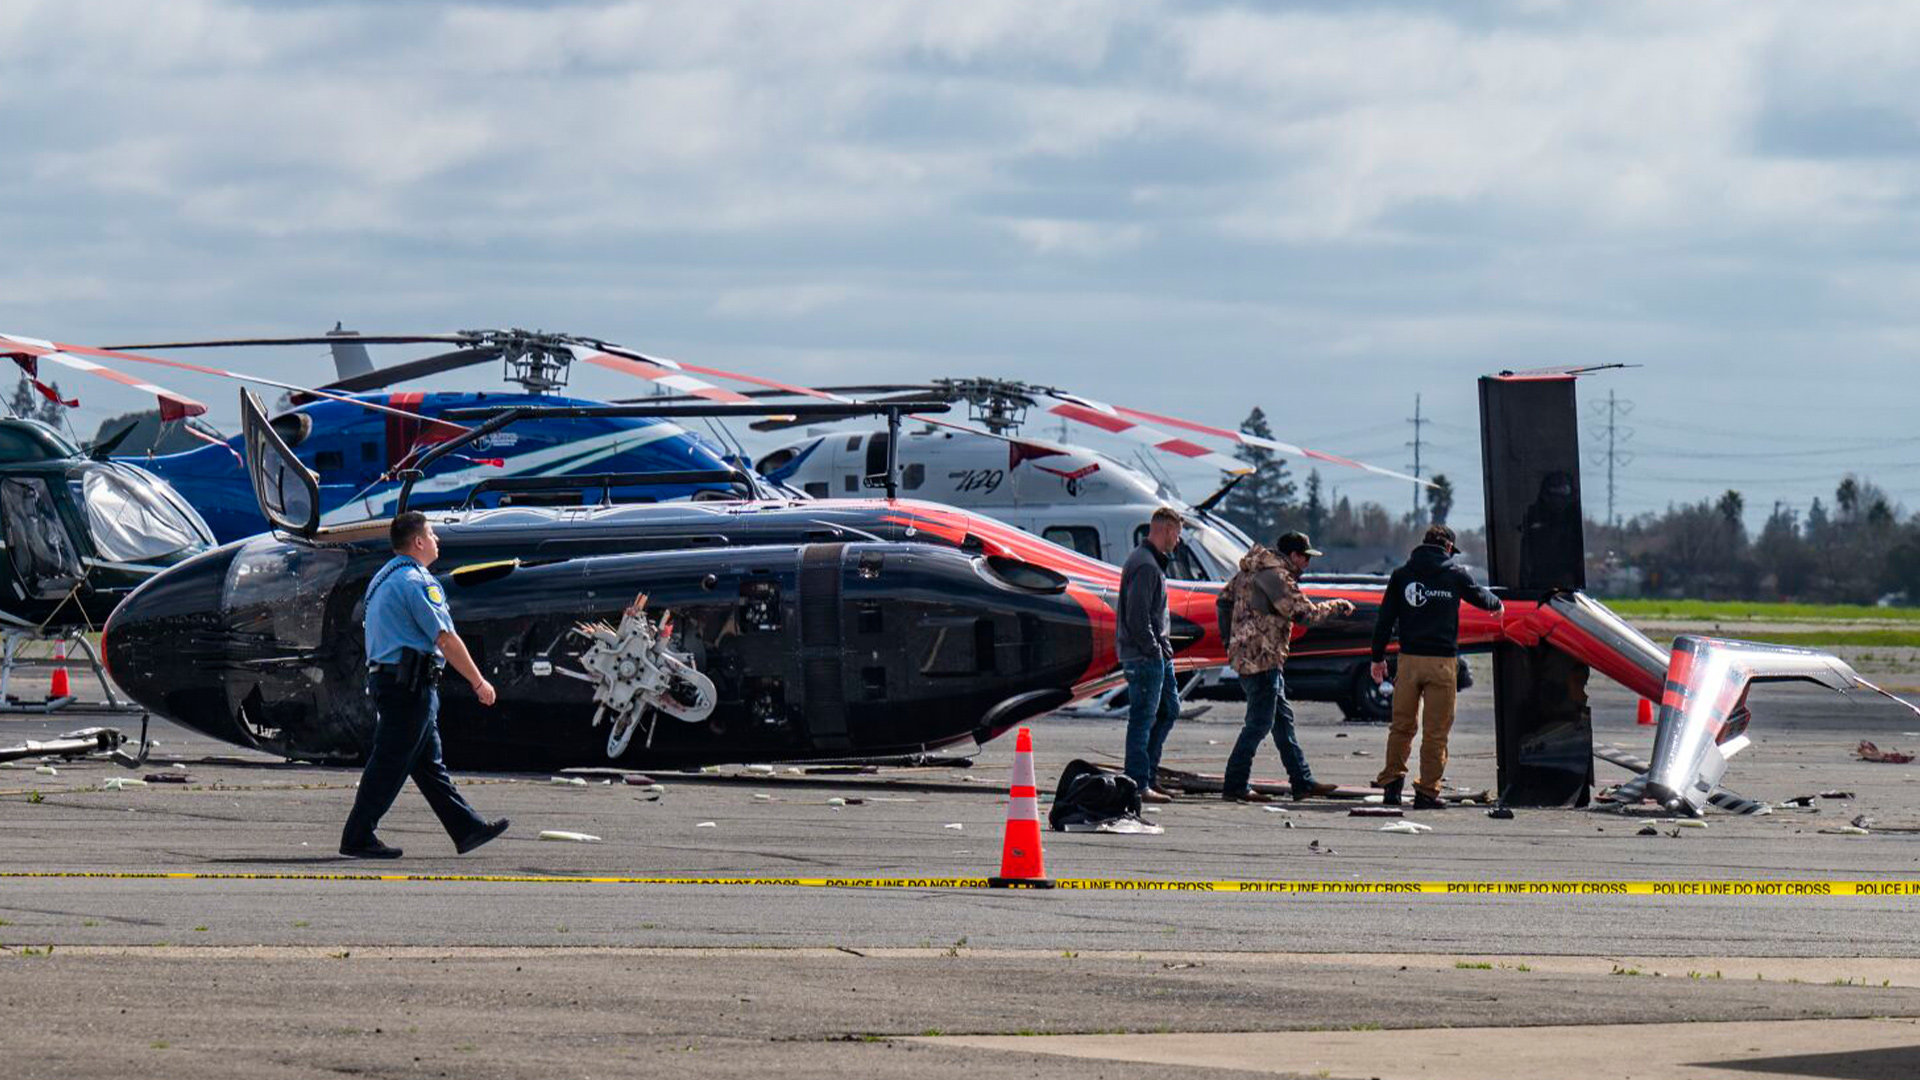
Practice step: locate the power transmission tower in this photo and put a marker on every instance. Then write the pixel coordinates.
(1417, 423)
(1611, 451)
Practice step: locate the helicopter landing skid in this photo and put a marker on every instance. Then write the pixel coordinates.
(79, 651)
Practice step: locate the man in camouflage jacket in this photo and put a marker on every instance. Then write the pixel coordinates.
(1266, 601)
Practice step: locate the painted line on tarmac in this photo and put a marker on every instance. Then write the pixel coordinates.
(1362, 888)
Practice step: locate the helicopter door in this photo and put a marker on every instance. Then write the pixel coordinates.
(46, 564)
(289, 495)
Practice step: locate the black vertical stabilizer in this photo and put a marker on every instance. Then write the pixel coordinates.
(1530, 454)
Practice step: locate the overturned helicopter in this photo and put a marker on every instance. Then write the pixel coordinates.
(807, 630)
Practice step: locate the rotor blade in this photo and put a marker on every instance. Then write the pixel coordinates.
(1107, 418)
(923, 389)
(335, 339)
(784, 423)
(173, 406)
(71, 356)
(1122, 421)
(380, 378)
(681, 377)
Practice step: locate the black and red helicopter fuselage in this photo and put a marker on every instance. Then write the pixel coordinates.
(830, 629)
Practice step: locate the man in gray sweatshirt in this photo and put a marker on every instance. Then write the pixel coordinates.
(1146, 654)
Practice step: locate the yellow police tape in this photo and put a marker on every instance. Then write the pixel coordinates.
(1450, 888)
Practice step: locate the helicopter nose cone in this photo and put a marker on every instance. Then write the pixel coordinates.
(165, 646)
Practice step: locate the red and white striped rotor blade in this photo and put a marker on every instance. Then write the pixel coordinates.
(1122, 413)
(1108, 419)
(683, 378)
(73, 352)
(173, 405)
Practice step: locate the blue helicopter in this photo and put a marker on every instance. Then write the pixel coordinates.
(362, 446)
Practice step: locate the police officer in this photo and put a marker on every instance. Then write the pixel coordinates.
(410, 637)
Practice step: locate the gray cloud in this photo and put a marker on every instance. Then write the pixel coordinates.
(1320, 207)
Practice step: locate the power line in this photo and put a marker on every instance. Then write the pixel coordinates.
(1613, 457)
(1416, 421)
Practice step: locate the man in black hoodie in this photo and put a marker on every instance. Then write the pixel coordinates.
(1423, 602)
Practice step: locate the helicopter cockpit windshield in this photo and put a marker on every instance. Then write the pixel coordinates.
(131, 519)
(37, 543)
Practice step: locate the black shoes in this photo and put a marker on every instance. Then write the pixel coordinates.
(1390, 792)
(1300, 791)
(486, 832)
(1424, 801)
(372, 849)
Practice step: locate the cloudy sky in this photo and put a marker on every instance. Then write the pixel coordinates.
(1320, 208)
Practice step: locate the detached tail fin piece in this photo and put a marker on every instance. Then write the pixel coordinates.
(1703, 711)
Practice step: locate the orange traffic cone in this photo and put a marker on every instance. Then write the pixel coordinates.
(59, 689)
(1645, 717)
(1021, 864)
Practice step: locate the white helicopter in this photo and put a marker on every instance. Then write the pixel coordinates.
(1074, 496)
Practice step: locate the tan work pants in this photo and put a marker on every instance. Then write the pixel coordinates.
(1432, 681)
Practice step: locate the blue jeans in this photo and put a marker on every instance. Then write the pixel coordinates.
(1153, 704)
(1267, 710)
(406, 743)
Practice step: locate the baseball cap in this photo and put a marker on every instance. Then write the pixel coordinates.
(1295, 542)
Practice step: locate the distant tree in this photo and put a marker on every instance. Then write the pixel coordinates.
(1847, 498)
(1782, 555)
(1440, 499)
(1262, 501)
(30, 404)
(1314, 510)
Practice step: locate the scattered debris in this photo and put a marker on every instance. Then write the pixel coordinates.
(760, 770)
(1845, 830)
(1866, 751)
(836, 801)
(1798, 801)
(1276, 810)
(1376, 811)
(955, 826)
(1836, 795)
(573, 837)
(169, 778)
(115, 783)
(707, 825)
(46, 770)
(1412, 828)
(1362, 753)
(762, 797)
(566, 781)
(1339, 734)
(1501, 813)
(1376, 800)
(1862, 821)
(1690, 823)
(1314, 848)
(1286, 823)
(1648, 829)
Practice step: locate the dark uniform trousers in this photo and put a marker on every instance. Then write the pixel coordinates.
(406, 742)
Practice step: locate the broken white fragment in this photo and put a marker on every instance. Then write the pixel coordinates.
(762, 770)
(604, 783)
(1412, 828)
(566, 781)
(1276, 810)
(955, 826)
(575, 837)
(1690, 823)
(759, 797)
(46, 770)
(657, 789)
(115, 783)
(707, 825)
(179, 765)
(1846, 830)
(1376, 799)
(836, 801)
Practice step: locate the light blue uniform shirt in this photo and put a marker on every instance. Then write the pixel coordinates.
(406, 609)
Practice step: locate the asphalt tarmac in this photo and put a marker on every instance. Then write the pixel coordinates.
(292, 977)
